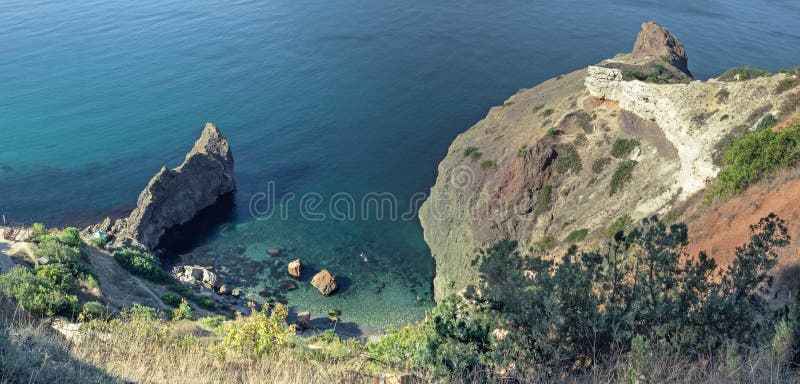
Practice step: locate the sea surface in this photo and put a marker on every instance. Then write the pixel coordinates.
(318, 98)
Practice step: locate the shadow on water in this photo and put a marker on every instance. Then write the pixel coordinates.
(182, 238)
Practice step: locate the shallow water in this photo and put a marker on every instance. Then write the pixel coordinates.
(316, 96)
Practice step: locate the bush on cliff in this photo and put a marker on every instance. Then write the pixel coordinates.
(141, 264)
(46, 292)
(743, 73)
(755, 156)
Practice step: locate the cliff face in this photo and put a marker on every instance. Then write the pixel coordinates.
(542, 166)
(175, 196)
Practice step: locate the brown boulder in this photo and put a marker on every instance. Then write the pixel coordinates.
(295, 269)
(325, 282)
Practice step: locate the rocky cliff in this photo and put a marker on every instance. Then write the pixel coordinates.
(558, 163)
(175, 196)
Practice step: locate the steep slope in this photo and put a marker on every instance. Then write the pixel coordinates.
(569, 156)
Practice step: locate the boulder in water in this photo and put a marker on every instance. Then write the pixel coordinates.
(325, 282)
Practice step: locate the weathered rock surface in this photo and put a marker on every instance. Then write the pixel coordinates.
(549, 183)
(325, 282)
(295, 269)
(199, 276)
(175, 196)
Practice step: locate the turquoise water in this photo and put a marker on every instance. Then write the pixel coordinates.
(316, 96)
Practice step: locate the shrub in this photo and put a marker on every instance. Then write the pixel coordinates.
(171, 299)
(755, 156)
(138, 311)
(787, 84)
(767, 122)
(569, 160)
(547, 112)
(600, 164)
(553, 131)
(622, 175)
(92, 310)
(623, 147)
(486, 164)
(140, 264)
(722, 95)
(521, 150)
(184, 311)
(57, 252)
(543, 198)
(743, 73)
(589, 307)
(212, 322)
(545, 244)
(38, 230)
(205, 302)
(37, 294)
(402, 348)
(724, 117)
(621, 224)
(472, 152)
(576, 236)
(99, 242)
(258, 334)
(71, 237)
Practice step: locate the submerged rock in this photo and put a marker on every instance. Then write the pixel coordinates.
(175, 196)
(274, 251)
(295, 269)
(325, 282)
(287, 286)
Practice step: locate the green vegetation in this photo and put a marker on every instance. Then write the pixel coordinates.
(790, 71)
(543, 198)
(547, 112)
(787, 84)
(472, 152)
(622, 175)
(141, 264)
(620, 225)
(724, 117)
(51, 288)
(171, 299)
(521, 150)
(71, 237)
(600, 164)
(259, 334)
(580, 140)
(767, 122)
(722, 95)
(755, 156)
(486, 164)
(184, 311)
(569, 160)
(743, 73)
(550, 319)
(658, 74)
(553, 131)
(545, 244)
(623, 147)
(576, 236)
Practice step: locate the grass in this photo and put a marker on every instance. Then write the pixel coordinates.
(547, 112)
(521, 150)
(724, 117)
(623, 147)
(543, 199)
(600, 164)
(569, 160)
(486, 164)
(767, 122)
(472, 152)
(786, 85)
(743, 73)
(722, 95)
(576, 236)
(621, 224)
(622, 175)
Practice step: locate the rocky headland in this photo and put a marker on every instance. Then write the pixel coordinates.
(557, 164)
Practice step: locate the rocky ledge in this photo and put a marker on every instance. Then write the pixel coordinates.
(175, 196)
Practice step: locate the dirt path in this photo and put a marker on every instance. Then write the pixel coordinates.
(9, 248)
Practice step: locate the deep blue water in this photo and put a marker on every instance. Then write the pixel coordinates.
(317, 96)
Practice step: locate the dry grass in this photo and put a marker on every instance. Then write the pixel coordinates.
(184, 352)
